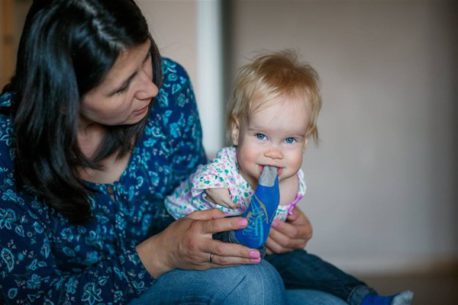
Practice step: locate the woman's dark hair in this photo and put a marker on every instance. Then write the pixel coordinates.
(66, 49)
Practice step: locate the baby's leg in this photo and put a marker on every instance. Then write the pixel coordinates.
(300, 269)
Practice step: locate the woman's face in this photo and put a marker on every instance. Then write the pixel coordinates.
(125, 93)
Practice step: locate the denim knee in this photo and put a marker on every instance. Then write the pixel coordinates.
(261, 284)
(245, 284)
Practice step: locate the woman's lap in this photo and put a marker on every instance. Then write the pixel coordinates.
(246, 284)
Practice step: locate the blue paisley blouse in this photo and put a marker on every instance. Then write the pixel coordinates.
(46, 260)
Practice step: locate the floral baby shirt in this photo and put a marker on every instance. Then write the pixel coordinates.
(221, 172)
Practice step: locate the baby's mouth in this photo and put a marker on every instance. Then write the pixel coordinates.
(279, 169)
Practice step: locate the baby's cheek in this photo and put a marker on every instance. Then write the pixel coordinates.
(296, 161)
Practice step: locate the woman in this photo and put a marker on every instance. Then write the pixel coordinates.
(89, 148)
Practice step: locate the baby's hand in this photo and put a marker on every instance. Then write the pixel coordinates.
(220, 196)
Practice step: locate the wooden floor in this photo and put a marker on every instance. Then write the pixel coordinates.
(429, 289)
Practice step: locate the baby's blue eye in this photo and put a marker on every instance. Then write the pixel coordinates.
(290, 140)
(261, 136)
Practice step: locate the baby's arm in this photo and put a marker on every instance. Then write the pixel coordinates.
(213, 185)
(220, 196)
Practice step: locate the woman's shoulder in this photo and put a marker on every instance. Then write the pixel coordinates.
(172, 67)
(176, 94)
(175, 79)
(6, 99)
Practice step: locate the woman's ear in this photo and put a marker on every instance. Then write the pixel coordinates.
(235, 131)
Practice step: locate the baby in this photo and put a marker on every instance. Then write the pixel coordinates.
(272, 115)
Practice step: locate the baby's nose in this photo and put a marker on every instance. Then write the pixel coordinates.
(273, 154)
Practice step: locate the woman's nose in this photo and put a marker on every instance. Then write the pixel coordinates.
(148, 90)
(274, 153)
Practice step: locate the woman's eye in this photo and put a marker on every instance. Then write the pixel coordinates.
(121, 90)
(290, 140)
(261, 136)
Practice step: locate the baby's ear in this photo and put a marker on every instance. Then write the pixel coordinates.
(235, 131)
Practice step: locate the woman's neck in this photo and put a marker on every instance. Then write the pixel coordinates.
(90, 136)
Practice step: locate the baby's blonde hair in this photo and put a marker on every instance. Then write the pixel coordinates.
(269, 76)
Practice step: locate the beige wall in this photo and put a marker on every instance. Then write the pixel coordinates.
(12, 16)
(173, 25)
(383, 181)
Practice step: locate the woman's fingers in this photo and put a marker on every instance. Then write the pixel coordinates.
(221, 225)
(279, 242)
(224, 249)
(226, 254)
(214, 221)
(289, 235)
(224, 261)
(303, 225)
(292, 234)
(206, 215)
(272, 246)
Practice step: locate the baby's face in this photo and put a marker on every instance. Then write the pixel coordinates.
(275, 135)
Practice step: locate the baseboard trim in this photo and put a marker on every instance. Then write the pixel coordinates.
(398, 266)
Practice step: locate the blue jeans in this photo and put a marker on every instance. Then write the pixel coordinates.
(302, 270)
(245, 284)
(311, 297)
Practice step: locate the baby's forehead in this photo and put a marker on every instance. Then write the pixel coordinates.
(262, 101)
(289, 110)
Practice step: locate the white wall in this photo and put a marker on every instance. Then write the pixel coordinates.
(383, 181)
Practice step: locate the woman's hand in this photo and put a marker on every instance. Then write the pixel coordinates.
(292, 234)
(187, 244)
